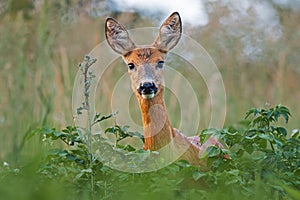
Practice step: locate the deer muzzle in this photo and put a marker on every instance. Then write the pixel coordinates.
(147, 90)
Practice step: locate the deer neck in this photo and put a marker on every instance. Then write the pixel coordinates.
(158, 131)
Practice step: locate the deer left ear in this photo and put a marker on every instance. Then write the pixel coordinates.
(118, 37)
(169, 32)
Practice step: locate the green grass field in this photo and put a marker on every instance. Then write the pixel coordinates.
(40, 50)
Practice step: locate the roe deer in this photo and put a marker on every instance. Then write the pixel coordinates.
(145, 67)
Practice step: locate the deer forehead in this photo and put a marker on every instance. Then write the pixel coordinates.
(144, 55)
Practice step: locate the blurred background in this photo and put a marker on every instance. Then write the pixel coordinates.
(255, 44)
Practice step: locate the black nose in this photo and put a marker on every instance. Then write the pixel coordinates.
(147, 88)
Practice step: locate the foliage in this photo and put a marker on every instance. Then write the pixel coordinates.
(121, 132)
(261, 151)
(264, 164)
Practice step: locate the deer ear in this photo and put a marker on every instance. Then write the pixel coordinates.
(118, 37)
(169, 32)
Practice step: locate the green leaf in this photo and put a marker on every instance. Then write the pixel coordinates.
(278, 142)
(248, 147)
(284, 111)
(258, 155)
(98, 118)
(251, 134)
(183, 163)
(266, 137)
(281, 131)
(258, 121)
(229, 132)
(57, 134)
(212, 151)
(79, 110)
(69, 129)
(227, 152)
(295, 133)
(234, 172)
(210, 131)
(71, 157)
(129, 148)
(63, 153)
(286, 117)
(136, 134)
(89, 170)
(253, 111)
(112, 129)
(292, 192)
(197, 175)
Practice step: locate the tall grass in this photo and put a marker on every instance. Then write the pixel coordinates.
(31, 77)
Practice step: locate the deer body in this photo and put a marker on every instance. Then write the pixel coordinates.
(145, 67)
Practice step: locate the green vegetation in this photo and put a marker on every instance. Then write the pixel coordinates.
(40, 47)
(264, 164)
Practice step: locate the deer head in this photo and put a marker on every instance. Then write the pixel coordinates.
(145, 63)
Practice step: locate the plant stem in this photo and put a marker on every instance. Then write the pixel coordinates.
(105, 189)
(272, 146)
(87, 83)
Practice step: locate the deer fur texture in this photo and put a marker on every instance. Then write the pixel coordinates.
(145, 67)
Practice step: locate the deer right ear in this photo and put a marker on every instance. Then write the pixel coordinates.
(118, 37)
(169, 32)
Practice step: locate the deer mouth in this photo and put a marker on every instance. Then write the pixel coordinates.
(147, 90)
(148, 96)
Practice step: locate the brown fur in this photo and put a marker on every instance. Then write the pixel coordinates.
(158, 131)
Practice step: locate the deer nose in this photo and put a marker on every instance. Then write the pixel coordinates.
(147, 90)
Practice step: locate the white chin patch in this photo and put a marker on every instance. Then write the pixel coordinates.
(148, 96)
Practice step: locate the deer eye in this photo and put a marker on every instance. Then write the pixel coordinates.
(160, 64)
(131, 66)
